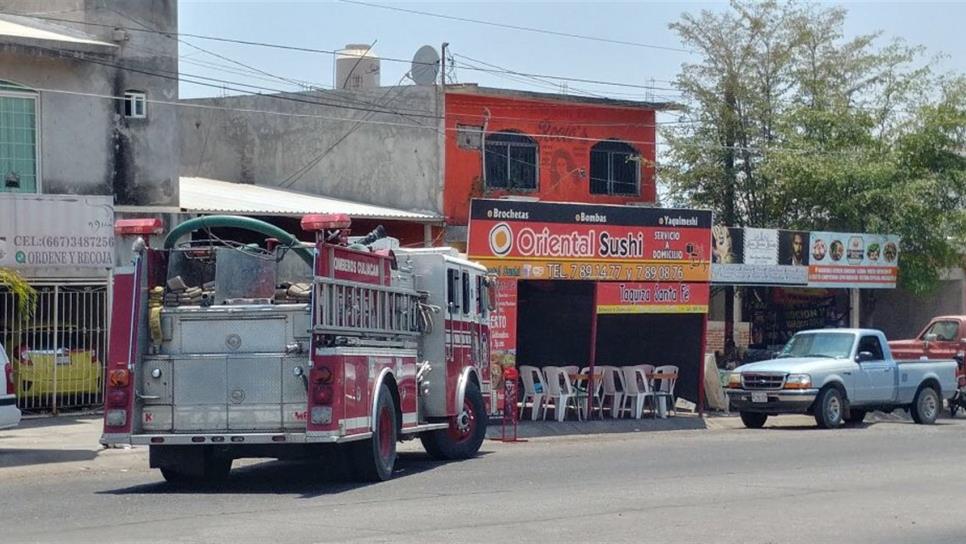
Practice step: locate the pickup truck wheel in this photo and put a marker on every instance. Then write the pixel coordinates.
(753, 420)
(925, 407)
(829, 407)
(375, 458)
(856, 416)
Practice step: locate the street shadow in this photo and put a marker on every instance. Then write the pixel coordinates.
(855, 426)
(20, 457)
(309, 478)
(56, 421)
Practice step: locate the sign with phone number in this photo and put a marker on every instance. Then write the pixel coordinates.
(597, 270)
(56, 231)
(562, 241)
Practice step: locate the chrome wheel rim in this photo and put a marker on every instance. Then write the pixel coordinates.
(927, 406)
(834, 409)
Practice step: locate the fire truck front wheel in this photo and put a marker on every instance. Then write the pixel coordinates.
(373, 459)
(466, 431)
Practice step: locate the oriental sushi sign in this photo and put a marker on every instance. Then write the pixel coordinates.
(556, 241)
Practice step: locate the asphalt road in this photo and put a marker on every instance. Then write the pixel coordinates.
(882, 482)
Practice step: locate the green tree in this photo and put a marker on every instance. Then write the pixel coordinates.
(25, 294)
(792, 125)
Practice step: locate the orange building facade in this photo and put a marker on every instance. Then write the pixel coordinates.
(548, 146)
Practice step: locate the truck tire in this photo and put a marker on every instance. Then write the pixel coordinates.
(373, 459)
(829, 407)
(925, 407)
(753, 420)
(856, 416)
(466, 431)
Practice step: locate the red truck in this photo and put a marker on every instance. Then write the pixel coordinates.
(943, 338)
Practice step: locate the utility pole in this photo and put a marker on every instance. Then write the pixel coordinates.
(729, 204)
(442, 66)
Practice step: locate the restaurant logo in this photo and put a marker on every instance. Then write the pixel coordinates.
(501, 239)
(856, 250)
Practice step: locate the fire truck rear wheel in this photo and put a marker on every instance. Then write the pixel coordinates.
(466, 431)
(373, 459)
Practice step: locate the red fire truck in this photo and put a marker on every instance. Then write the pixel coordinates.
(279, 348)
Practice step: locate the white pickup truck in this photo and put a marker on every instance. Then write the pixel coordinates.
(839, 375)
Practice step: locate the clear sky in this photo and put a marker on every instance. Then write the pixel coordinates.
(330, 25)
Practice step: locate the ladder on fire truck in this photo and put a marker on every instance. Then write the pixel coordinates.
(351, 309)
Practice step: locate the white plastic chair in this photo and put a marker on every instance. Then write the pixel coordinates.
(636, 389)
(571, 369)
(560, 391)
(613, 384)
(533, 389)
(597, 393)
(664, 389)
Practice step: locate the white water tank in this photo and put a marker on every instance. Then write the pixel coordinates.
(356, 67)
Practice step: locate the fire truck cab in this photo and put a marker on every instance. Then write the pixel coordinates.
(221, 349)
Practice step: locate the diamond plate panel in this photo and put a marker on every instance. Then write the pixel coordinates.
(157, 387)
(254, 417)
(200, 381)
(234, 335)
(156, 418)
(295, 415)
(201, 418)
(254, 380)
(293, 388)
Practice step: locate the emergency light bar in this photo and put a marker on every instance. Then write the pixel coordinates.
(325, 221)
(139, 226)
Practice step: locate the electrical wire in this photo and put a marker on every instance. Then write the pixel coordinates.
(517, 27)
(307, 49)
(497, 69)
(297, 175)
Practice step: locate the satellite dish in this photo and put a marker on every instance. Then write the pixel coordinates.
(425, 66)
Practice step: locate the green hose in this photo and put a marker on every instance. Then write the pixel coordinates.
(238, 222)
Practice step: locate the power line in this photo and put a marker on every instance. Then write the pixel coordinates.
(224, 84)
(180, 104)
(334, 52)
(503, 72)
(517, 27)
(279, 94)
(297, 175)
(255, 69)
(561, 78)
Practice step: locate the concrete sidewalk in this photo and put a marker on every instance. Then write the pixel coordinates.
(549, 428)
(55, 445)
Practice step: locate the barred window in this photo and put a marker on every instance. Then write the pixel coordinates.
(18, 139)
(614, 169)
(511, 161)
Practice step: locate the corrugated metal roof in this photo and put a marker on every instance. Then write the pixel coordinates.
(31, 31)
(204, 195)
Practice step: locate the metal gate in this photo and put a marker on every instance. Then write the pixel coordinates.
(58, 353)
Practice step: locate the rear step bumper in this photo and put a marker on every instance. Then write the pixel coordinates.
(228, 439)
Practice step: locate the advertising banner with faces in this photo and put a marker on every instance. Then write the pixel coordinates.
(753, 256)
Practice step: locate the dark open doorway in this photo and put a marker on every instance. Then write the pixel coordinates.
(654, 339)
(553, 322)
